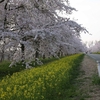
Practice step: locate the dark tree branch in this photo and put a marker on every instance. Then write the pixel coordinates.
(2, 1)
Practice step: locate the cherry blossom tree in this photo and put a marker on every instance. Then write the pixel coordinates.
(34, 29)
(94, 46)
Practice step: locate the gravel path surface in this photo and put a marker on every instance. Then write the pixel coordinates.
(86, 88)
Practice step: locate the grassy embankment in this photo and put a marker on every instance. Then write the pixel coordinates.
(48, 82)
(96, 78)
(6, 70)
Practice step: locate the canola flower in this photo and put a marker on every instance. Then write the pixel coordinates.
(39, 83)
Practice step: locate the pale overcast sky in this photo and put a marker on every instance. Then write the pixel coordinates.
(88, 15)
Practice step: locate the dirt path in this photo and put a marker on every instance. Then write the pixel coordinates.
(86, 89)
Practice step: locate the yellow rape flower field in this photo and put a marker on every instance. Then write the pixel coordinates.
(43, 83)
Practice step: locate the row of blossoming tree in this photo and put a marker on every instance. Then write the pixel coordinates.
(93, 46)
(33, 29)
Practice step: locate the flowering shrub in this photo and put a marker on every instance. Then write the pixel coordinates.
(42, 83)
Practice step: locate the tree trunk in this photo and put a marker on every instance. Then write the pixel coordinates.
(5, 24)
(23, 52)
(2, 54)
(43, 56)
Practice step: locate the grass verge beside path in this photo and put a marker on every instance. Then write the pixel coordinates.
(49, 82)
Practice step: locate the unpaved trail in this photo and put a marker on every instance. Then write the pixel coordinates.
(86, 89)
